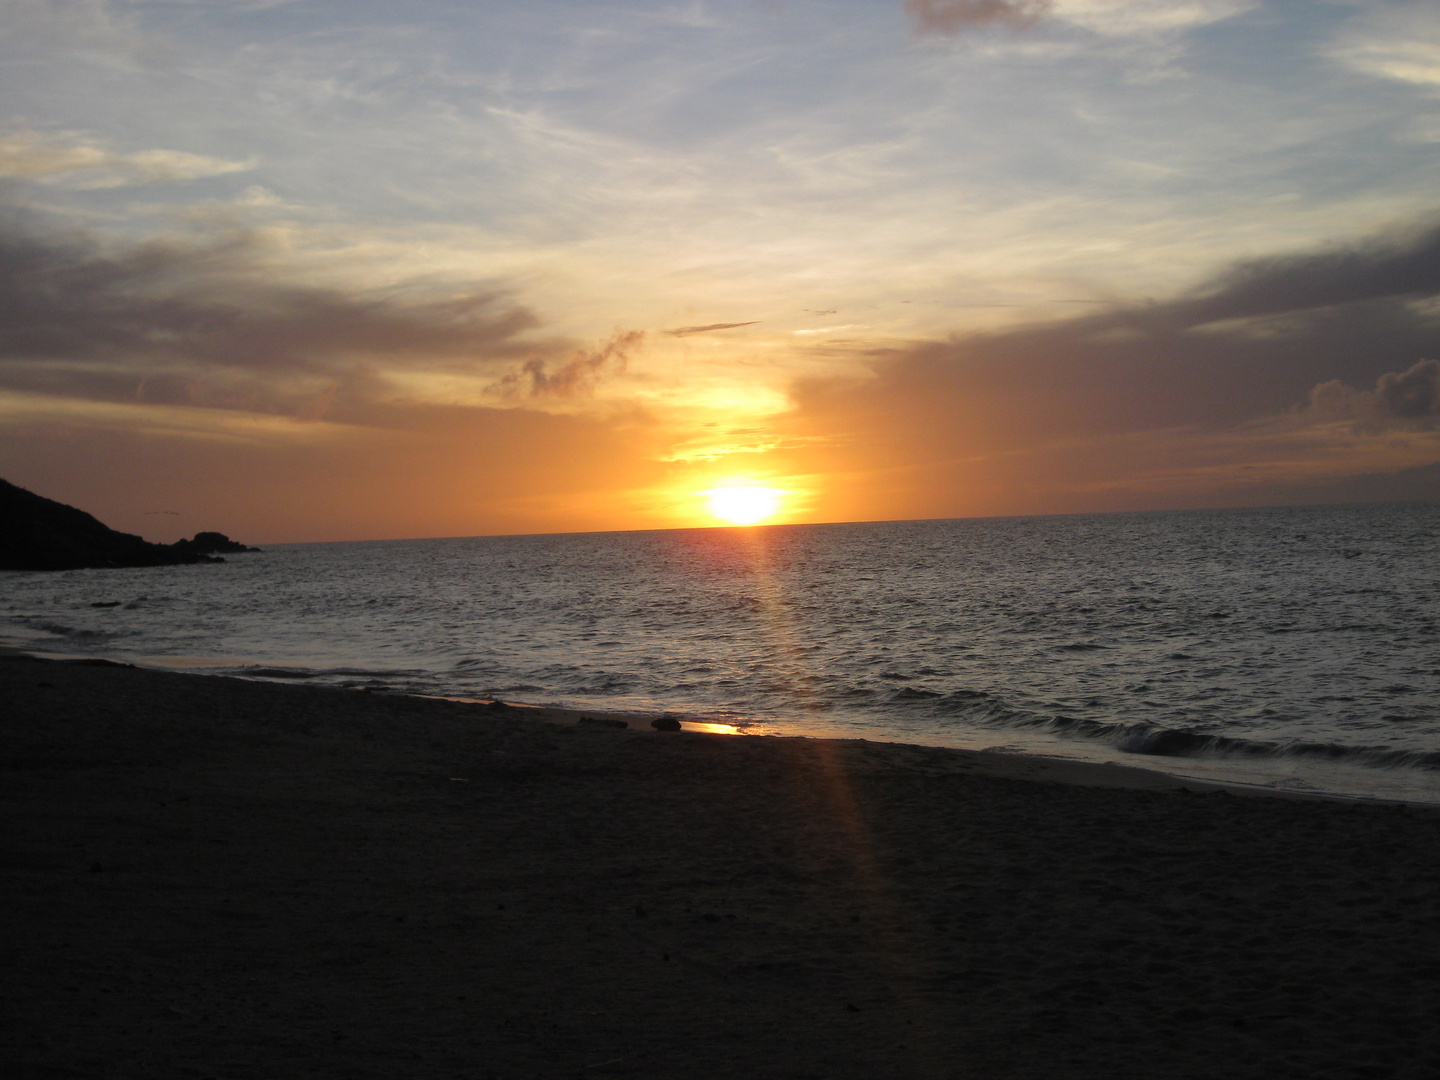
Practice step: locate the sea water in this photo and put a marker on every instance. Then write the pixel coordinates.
(1291, 648)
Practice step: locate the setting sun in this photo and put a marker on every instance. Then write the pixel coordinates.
(744, 504)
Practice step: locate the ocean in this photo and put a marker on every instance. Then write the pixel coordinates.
(1290, 648)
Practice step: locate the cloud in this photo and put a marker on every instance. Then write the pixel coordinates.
(214, 376)
(221, 325)
(91, 26)
(685, 331)
(1109, 18)
(1388, 266)
(577, 375)
(949, 17)
(1408, 399)
(1240, 390)
(1147, 18)
(1399, 42)
(28, 155)
(1410, 395)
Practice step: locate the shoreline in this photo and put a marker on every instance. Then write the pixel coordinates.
(1021, 764)
(223, 877)
(1009, 764)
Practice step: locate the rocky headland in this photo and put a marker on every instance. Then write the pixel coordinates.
(37, 533)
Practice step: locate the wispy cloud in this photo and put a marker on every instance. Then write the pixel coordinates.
(1393, 41)
(1111, 18)
(29, 155)
(1148, 18)
(686, 331)
(575, 376)
(86, 25)
(947, 17)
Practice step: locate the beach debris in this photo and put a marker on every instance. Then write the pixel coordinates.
(602, 721)
(665, 723)
(106, 603)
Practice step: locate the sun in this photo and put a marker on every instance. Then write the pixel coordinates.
(744, 504)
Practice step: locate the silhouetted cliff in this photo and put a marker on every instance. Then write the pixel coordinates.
(37, 533)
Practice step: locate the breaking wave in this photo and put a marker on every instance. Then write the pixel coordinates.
(980, 707)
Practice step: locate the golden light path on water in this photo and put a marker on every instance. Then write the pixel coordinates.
(887, 915)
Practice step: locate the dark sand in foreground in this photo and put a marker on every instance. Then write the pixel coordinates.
(212, 878)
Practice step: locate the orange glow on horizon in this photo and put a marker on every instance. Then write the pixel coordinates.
(744, 504)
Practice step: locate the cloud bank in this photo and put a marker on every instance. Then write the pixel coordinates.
(1389, 267)
(211, 378)
(1242, 390)
(217, 325)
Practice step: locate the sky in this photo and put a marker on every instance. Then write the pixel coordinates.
(299, 270)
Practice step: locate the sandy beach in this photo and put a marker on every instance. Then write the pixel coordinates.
(207, 877)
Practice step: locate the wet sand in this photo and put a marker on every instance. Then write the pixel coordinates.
(206, 877)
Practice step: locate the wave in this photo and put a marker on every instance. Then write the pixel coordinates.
(1177, 742)
(978, 706)
(73, 632)
(276, 673)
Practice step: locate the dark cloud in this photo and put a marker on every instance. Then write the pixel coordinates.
(948, 17)
(684, 331)
(1410, 395)
(578, 374)
(1384, 268)
(1253, 341)
(1407, 399)
(1078, 404)
(168, 322)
